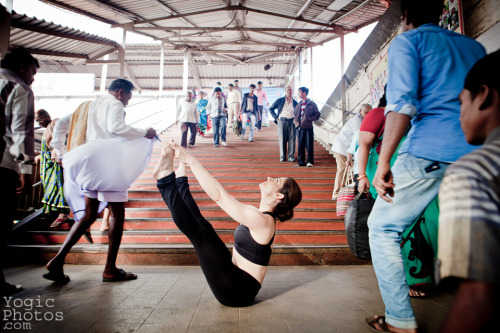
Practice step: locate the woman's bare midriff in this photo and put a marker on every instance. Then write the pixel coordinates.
(257, 271)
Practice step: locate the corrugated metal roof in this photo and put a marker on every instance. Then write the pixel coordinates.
(227, 39)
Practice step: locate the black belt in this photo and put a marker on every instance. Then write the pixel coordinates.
(287, 119)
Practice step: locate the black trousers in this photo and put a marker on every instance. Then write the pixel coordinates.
(260, 109)
(305, 138)
(229, 284)
(9, 181)
(184, 131)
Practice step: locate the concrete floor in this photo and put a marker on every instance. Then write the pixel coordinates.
(178, 299)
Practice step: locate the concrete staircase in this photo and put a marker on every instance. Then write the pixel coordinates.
(314, 236)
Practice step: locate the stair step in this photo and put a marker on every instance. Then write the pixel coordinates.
(290, 237)
(180, 254)
(315, 235)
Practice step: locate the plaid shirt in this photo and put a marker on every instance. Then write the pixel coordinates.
(469, 220)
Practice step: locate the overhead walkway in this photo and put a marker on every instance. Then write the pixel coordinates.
(314, 236)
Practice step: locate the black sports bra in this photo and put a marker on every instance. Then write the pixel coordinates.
(249, 249)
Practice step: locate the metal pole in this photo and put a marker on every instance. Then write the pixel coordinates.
(121, 54)
(104, 75)
(312, 76)
(185, 73)
(342, 80)
(162, 61)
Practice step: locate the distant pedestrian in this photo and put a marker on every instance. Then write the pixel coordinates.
(249, 110)
(217, 107)
(187, 114)
(234, 103)
(237, 87)
(306, 112)
(202, 111)
(262, 96)
(285, 107)
(341, 143)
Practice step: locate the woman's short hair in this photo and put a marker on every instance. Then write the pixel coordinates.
(292, 197)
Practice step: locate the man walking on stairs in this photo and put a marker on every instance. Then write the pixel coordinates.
(105, 119)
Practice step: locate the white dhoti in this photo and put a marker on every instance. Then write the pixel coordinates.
(103, 170)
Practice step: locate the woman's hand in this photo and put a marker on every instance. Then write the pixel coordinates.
(363, 184)
(181, 153)
(349, 160)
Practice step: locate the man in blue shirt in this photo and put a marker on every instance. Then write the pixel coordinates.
(427, 66)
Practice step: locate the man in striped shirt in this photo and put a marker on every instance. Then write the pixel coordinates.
(469, 199)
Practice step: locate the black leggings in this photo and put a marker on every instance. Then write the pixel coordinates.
(230, 285)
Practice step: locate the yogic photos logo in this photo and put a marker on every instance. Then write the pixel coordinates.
(21, 313)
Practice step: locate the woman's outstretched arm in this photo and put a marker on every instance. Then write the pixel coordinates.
(247, 215)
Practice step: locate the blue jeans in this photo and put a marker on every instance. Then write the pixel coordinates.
(219, 124)
(415, 189)
(244, 120)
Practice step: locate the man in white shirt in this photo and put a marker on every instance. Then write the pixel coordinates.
(233, 103)
(106, 119)
(341, 144)
(286, 129)
(188, 115)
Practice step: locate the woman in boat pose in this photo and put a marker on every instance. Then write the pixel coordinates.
(235, 280)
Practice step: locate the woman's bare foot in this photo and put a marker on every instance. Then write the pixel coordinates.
(105, 220)
(181, 170)
(416, 293)
(165, 164)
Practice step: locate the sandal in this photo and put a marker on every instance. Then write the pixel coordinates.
(380, 320)
(57, 223)
(120, 276)
(58, 278)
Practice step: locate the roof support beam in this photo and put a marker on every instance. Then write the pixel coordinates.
(280, 52)
(331, 31)
(94, 57)
(194, 70)
(230, 58)
(180, 63)
(115, 10)
(132, 78)
(57, 54)
(261, 58)
(235, 8)
(283, 37)
(252, 42)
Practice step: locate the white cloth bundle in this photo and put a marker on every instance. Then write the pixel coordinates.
(109, 165)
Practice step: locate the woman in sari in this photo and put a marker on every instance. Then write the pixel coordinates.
(51, 174)
(202, 109)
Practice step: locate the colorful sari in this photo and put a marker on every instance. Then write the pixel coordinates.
(51, 175)
(202, 109)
